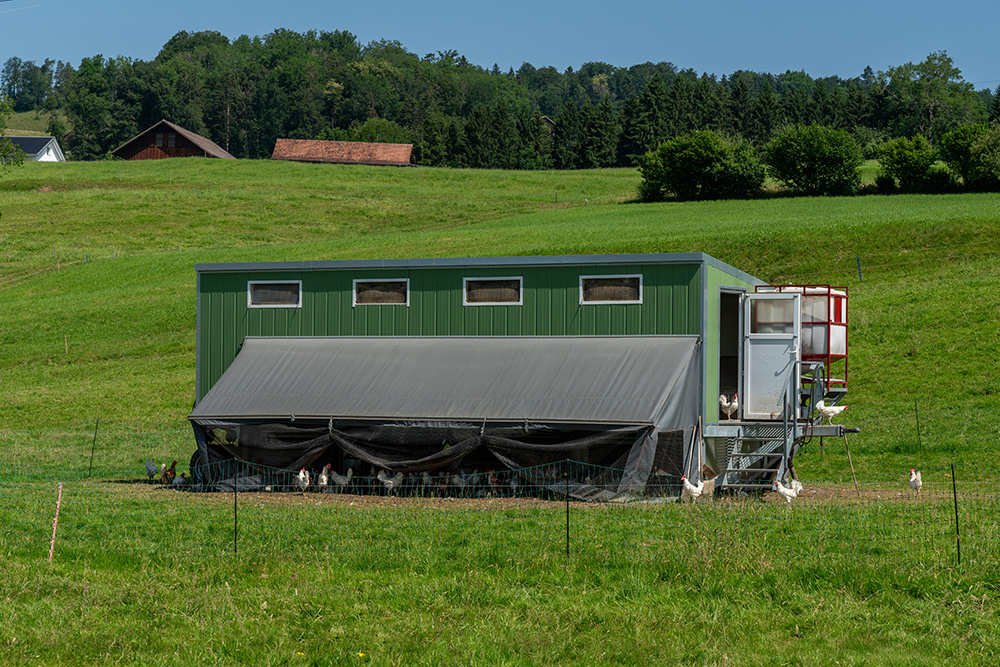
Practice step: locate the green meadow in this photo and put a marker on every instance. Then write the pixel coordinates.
(98, 297)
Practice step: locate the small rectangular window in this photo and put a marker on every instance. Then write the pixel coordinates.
(492, 291)
(274, 294)
(772, 316)
(610, 289)
(382, 291)
(171, 140)
(159, 140)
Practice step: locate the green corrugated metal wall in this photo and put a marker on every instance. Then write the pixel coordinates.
(716, 280)
(671, 304)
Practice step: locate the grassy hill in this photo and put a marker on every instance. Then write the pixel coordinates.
(30, 123)
(98, 269)
(97, 290)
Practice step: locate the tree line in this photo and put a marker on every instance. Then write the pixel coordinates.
(247, 92)
(819, 160)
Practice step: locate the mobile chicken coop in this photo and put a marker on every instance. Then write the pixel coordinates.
(422, 365)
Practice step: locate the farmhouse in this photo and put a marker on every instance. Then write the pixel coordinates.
(166, 140)
(509, 362)
(39, 149)
(343, 152)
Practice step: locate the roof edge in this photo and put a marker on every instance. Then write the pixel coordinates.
(470, 262)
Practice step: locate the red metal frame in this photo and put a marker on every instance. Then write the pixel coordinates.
(836, 317)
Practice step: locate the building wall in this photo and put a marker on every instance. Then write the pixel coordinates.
(145, 148)
(716, 280)
(48, 155)
(671, 305)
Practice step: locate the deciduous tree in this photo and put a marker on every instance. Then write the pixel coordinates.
(10, 155)
(815, 159)
(700, 165)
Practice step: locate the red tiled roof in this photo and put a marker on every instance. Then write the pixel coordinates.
(344, 152)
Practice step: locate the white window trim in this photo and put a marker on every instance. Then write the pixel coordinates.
(251, 304)
(608, 276)
(465, 291)
(354, 291)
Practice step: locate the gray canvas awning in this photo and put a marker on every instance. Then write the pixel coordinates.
(582, 380)
(418, 404)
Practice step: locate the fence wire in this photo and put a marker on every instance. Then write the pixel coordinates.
(880, 523)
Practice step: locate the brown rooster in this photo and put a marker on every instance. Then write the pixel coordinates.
(168, 474)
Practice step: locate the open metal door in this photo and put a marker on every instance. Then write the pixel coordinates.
(771, 330)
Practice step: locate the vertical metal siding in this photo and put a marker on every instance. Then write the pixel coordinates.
(550, 307)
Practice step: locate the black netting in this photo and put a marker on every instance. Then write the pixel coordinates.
(668, 462)
(247, 455)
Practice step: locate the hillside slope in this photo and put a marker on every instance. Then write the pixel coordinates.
(97, 276)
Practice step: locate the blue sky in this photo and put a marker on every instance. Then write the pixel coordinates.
(714, 36)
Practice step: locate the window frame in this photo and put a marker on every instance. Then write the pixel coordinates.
(584, 302)
(354, 291)
(465, 291)
(251, 304)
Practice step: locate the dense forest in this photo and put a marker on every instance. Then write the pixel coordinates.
(247, 92)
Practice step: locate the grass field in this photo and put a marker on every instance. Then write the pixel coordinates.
(29, 123)
(97, 286)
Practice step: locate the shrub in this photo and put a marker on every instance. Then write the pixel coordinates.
(815, 159)
(885, 184)
(956, 151)
(972, 152)
(985, 154)
(869, 140)
(700, 165)
(908, 161)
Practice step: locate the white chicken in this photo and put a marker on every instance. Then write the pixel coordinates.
(691, 491)
(729, 407)
(828, 412)
(324, 477)
(915, 481)
(343, 481)
(302, 480)
(788, 494)
(390, 483)
(461, 483)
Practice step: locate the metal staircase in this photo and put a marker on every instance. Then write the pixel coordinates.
(758, 452)
(753, 455)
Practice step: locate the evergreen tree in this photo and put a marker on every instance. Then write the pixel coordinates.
(797, 106)
(857, 110)
(679, 107)
(765, 116)
(740, 106)
(536, 140)
(601, 136)
(711, 104)
(647, 126)
(568, 138)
